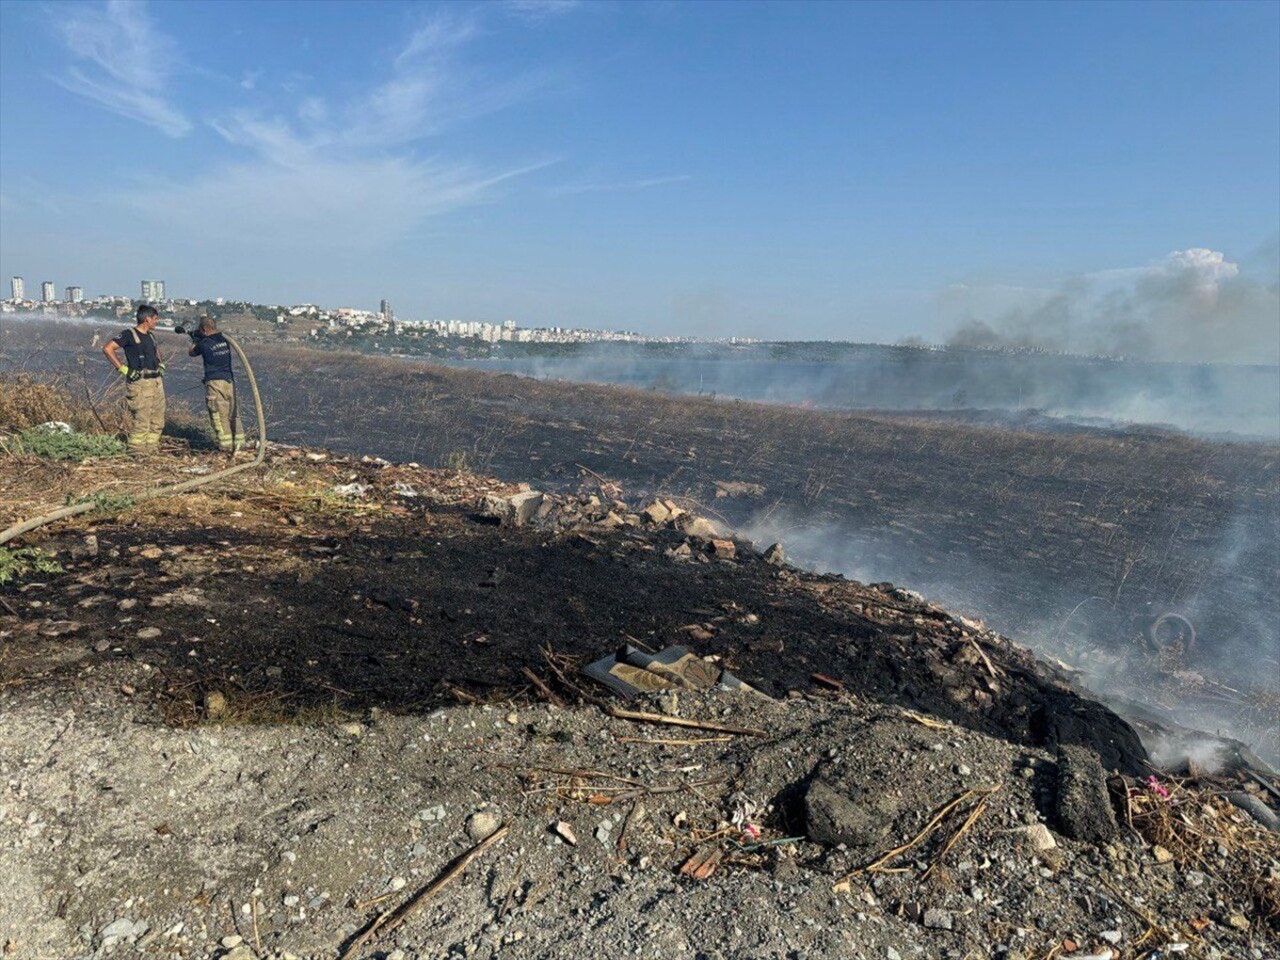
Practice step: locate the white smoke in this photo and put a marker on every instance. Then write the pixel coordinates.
(1192, 305)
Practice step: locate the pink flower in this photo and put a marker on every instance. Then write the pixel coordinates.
(1156, 787)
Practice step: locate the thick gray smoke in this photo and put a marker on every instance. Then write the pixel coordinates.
(1195, 305)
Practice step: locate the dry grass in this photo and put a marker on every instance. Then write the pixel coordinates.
(28, 401)
(1196, 826)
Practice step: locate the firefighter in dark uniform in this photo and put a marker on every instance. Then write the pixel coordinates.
(219, 384)
(138, 359)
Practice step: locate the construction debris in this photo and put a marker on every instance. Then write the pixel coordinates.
(632, 671)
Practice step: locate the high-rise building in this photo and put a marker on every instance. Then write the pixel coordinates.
(152, 290)
(75, 294)
(385, 310)
(46, 292)
(19, 288)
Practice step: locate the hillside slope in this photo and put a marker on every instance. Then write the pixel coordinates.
(271, 710)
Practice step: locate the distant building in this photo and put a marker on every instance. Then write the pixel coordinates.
(385, 309)
(75, 294)
(19, 288)
(46, 292)
(152, 290)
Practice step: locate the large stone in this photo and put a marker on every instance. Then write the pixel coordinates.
(515, 510)
(656, 513)
(1083, 804)
(699, 527)
(833, 818)
(775, 555)
(723, 549)
(524, 506)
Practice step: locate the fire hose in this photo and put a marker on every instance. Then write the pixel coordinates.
(86, 506)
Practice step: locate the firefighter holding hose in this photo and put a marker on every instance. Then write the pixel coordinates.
(137, 358)
(219, 384)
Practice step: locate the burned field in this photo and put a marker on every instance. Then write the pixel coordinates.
(415, 607)
(1073, 543)
(248, 721)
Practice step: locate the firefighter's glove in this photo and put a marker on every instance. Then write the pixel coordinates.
(123, 370)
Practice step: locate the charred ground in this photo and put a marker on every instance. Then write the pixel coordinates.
(1065, 541)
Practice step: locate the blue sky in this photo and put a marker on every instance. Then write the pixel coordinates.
(857, 171)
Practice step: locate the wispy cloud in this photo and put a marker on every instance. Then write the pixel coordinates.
(539, 9)
(645, 183)
(323, 172)
(122, 61)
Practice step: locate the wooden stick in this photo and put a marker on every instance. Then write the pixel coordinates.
(925, 832)
(541, 687)
(972, 819)
(675, 743)
(642, 717)
(390, 919)
(253, 905)
(983, 654)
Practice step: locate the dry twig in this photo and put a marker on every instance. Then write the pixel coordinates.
(391, 919)
(643, 717)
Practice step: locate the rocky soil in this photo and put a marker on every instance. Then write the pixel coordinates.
(246, 723)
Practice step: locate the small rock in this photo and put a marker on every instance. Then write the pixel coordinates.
(127, 604)
(151, 553)
(565, 832)
(1111, 936)
(215, 705)
(1194, 878)
(351, 729)
(117, 929)
(1040, 837)
(775, 555)
(481, 826)
(242, 952)
(936, 918)
(231, 942)
(149, 633)
(1161, 854)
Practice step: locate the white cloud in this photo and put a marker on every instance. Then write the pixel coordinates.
(354, 204)
(1203, 269)
(344, 172)
(123, 62)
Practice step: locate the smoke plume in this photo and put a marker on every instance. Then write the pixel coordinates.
(1194, 305)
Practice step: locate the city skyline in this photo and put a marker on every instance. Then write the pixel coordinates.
(788, 171)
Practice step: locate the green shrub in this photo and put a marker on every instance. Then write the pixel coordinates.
(59, 445)
(15, 564)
